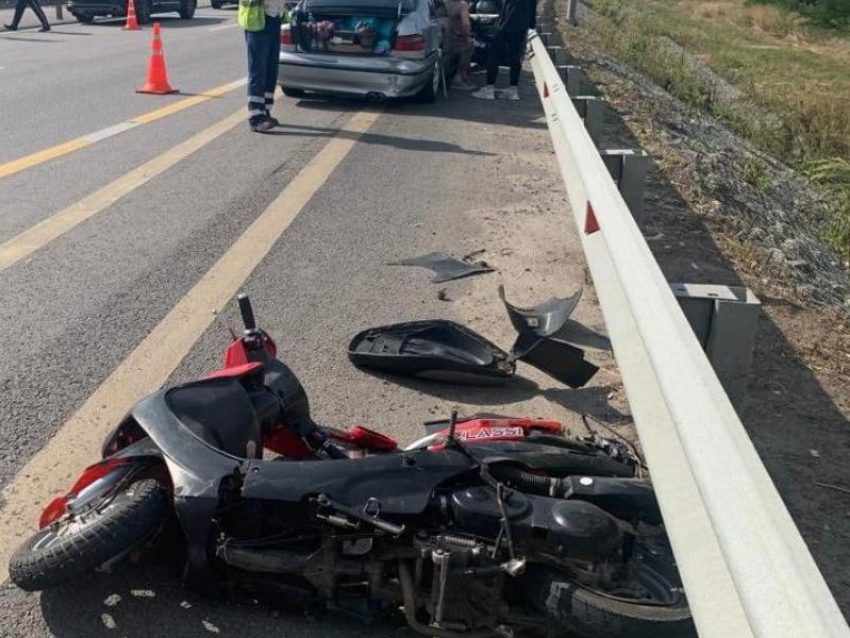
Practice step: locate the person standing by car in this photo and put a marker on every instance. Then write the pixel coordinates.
(20, 7)
(261, 20)
(515, 19)
(461, 31)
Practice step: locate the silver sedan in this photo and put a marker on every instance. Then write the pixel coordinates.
(375, 49)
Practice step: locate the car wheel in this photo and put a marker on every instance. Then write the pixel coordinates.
(216, 4)
(143, 11)
(429, 92)
(187, 9)
(290, 92)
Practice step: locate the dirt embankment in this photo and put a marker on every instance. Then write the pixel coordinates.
(719, 211)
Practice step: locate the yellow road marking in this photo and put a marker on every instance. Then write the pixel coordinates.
(23, 163)
(176, 107)
(51, 470)
(39, 157)
(32, 239)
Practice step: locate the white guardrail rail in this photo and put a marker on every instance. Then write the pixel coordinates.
(746, 569)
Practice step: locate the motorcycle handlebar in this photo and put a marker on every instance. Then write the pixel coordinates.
(247, 312)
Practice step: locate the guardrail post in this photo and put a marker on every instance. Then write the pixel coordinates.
(571, 76)
(628, 168)
(59, 15)
(556, 54)
(590, 109)
(572, 11)
(725, 320)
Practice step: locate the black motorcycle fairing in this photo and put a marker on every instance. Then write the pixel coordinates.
(558, 359)
(402, 483)
(220, 413)
(555, 460)
(544, 319)
(434, 349)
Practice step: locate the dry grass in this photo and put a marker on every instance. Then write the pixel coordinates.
(794, 80)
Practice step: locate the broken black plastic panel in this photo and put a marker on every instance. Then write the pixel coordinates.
(436, 349)
(446, 267)
(543, 320)
(447, 351)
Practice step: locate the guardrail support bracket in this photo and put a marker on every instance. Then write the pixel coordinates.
(557, 54)
(589, 107)
(725, 321)
(571, 76)
(628, 169)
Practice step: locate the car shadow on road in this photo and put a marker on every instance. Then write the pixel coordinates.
(403, 143)
(148, 601)
(798, 430)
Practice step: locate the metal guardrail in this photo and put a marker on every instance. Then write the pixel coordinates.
(746, 569)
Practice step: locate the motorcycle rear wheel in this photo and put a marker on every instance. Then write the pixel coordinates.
(662, 613)
(76, 545)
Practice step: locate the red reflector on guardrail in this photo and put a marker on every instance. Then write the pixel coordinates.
(590, 223)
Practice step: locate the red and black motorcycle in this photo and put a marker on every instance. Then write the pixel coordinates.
(489, 526)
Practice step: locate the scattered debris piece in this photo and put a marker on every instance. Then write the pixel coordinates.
(112, 600)
(815, 453)
(108, 621)
(837, 488)
(545, 319)
(445, 267)
(443, 295)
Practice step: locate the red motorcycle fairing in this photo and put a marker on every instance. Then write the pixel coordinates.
(499, 429)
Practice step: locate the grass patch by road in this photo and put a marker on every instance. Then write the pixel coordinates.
(771, 75)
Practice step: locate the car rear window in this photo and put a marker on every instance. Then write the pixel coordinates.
(357, 5)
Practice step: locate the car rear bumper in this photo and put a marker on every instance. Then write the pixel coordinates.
(353, 75)
(102, 8)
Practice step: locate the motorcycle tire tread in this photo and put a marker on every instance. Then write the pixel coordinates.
(118, 531)
(590, 615)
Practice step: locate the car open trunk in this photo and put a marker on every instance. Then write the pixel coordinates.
(350, 27)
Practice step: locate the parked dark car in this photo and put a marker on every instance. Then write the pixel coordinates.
(87, 10)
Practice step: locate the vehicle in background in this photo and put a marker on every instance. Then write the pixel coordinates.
(86, 11)
(375, 49)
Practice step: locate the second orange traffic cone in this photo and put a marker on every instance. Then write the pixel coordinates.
(132, 24)
(157, 76)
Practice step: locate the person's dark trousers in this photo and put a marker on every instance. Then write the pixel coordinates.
(263, 60)
(21, 5)
(512, 43)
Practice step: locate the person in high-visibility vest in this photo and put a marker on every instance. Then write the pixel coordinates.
(261, 20)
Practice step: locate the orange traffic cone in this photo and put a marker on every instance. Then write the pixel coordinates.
(157, 76)
(132, 24)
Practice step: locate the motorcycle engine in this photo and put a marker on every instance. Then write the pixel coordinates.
(571, 528)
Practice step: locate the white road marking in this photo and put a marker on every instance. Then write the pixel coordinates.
(224, 26)
(51, 470)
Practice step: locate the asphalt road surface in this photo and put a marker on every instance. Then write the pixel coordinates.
(127, 219)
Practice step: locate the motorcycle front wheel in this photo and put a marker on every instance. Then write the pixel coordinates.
(78, 544)
(653, 605)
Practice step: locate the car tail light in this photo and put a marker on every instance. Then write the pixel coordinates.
(409, 46)
(286, 36)
(409, 43)
(58, 506)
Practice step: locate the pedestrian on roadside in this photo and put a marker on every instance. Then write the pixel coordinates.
(515, 19)
(261, 20)
(20, 7)
(461, 31)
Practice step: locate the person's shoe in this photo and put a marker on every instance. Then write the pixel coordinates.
(485, 93)
(273, 120)
(462, 85)
(510, 94)
(44, 29)
(9, 27)
(262, 125)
